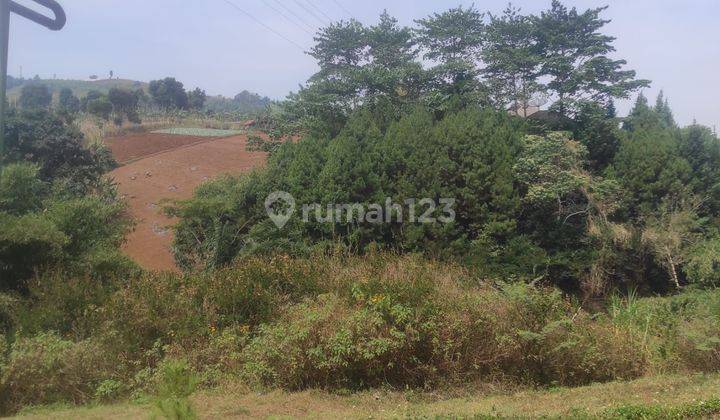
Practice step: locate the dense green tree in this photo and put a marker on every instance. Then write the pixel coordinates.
(124, 104)
(640, 115)
(248, 101)
(556, 207)
(392, 72)
(358, 65)
(703, 267)
(472, 152)
(610, 110)
(101, 108)
(662, 108)
(453, 41)
(599, 133)
(68, 102)
(340, 52)
(701, 148)
(35, 96)
(123, 101)
(89, 97)
(575, 57)
(670, 234)
(196, 99)
(512, 59)
(650, 166)
(57, 148)
(168, 93)
(589, 209)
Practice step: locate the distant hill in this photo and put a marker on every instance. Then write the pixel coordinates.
(79, 87)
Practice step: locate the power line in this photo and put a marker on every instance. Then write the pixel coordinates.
(310, 12)
(320, 10)
(343, 8)
(259, 22)
(286, 17)
(298, 17)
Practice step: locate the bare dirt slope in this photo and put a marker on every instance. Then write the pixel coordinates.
(172, 174)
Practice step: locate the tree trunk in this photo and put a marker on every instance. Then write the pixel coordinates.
(673, 272)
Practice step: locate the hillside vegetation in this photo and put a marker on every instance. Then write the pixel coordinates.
(571, 248)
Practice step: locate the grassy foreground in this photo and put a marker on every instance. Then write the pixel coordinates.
(673, 396)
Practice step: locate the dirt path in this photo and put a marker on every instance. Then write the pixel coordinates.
(173, 174)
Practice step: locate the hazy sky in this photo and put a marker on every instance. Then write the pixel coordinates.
(211, 44)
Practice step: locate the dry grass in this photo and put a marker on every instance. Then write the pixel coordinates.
(238, 402)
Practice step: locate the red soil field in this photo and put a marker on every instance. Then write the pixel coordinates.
(134, 146)
(156, 175)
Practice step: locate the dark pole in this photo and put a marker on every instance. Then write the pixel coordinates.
(4, 39)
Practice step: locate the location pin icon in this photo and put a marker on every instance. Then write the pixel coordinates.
(280, 213)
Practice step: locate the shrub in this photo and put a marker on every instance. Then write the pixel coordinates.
(187, 310)
(21, 190)
(176, 383)
(88, 222)
(217, 360)
(679, 333)
(325, 343)
(68, 304)
(407, 323)
(27, 243)
(110, 390)
(46, 369)
(58, 148)
(35, 96)
(154, 307)
(703, 266)
(56, 228)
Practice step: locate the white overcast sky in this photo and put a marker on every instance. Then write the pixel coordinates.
(212, 45)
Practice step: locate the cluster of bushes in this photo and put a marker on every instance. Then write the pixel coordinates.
(334, 323)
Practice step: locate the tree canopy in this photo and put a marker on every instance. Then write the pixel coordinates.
(168, 93)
